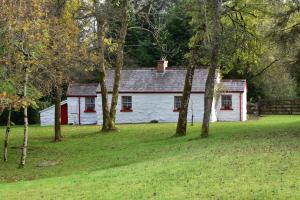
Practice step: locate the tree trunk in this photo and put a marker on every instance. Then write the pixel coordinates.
(5, 157)
(25, 139)
(210, 82)
(104, 92)
(119, 66)
(182, 119)
(57, 118)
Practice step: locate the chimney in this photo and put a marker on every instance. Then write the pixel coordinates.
(162, 65)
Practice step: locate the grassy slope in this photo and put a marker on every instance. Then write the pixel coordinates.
(252, 160)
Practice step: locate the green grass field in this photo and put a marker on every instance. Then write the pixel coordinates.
(251, 160)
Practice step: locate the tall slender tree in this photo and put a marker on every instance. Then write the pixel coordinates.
(216, 6)
(119, 62)
(101, 15)
(182, 119)
(62, 52)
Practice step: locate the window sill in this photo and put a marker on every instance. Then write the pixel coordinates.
(89, 111)
(126, 110)
(228, 109)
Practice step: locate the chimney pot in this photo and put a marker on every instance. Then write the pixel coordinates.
(162, 65)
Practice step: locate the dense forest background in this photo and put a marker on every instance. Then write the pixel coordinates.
(260, 42)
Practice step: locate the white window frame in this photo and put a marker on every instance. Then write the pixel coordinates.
(90, 103)
(177, 103)
(226, 102)
(126, 103)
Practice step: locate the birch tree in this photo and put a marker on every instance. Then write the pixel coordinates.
(24, 21)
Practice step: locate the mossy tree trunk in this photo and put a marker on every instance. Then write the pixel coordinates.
(210, 82)
(7, 131)
(57, 114)
(119, 65)
(182, 119)
(104, 92)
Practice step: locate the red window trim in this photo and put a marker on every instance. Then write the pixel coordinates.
(229, 109)
(126, 110)
(90, 111)
(226, 108)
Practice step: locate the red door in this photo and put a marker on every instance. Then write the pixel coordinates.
(64, 114)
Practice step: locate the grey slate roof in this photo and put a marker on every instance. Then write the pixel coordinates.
(149, 81)
(79, 89)
(234, 85)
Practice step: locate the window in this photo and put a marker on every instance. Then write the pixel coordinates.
(177, 103)
(126, 104)
(226, 102)
(90, 104)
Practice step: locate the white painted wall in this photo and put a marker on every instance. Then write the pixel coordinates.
(47, 115)
(73, 112)
(245, 104)
(148, 107)
(234, 114)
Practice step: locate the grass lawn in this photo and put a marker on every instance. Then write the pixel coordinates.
(252, 160)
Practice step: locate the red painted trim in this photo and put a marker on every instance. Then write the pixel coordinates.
(89, 111)
(229, 109)
(241, 107)
(82, 96)
(79, 120)
(165, 92)
(126, 110)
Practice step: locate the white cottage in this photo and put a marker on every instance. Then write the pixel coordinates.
(155, 94)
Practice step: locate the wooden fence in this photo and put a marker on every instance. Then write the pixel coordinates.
(275, 107)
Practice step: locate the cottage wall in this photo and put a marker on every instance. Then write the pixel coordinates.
(74, 113)
(230, 115)
(148, 107)
(47, 116)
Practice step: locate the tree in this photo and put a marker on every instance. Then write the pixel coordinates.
(286, 32)
(101, 15)
(62, 52)
(197, 45)
(182, 119)
(104, 15)
(24, 23)
(210, 82)
(119, 63)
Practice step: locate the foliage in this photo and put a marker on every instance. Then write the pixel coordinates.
(254, 159)
(277, 83)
